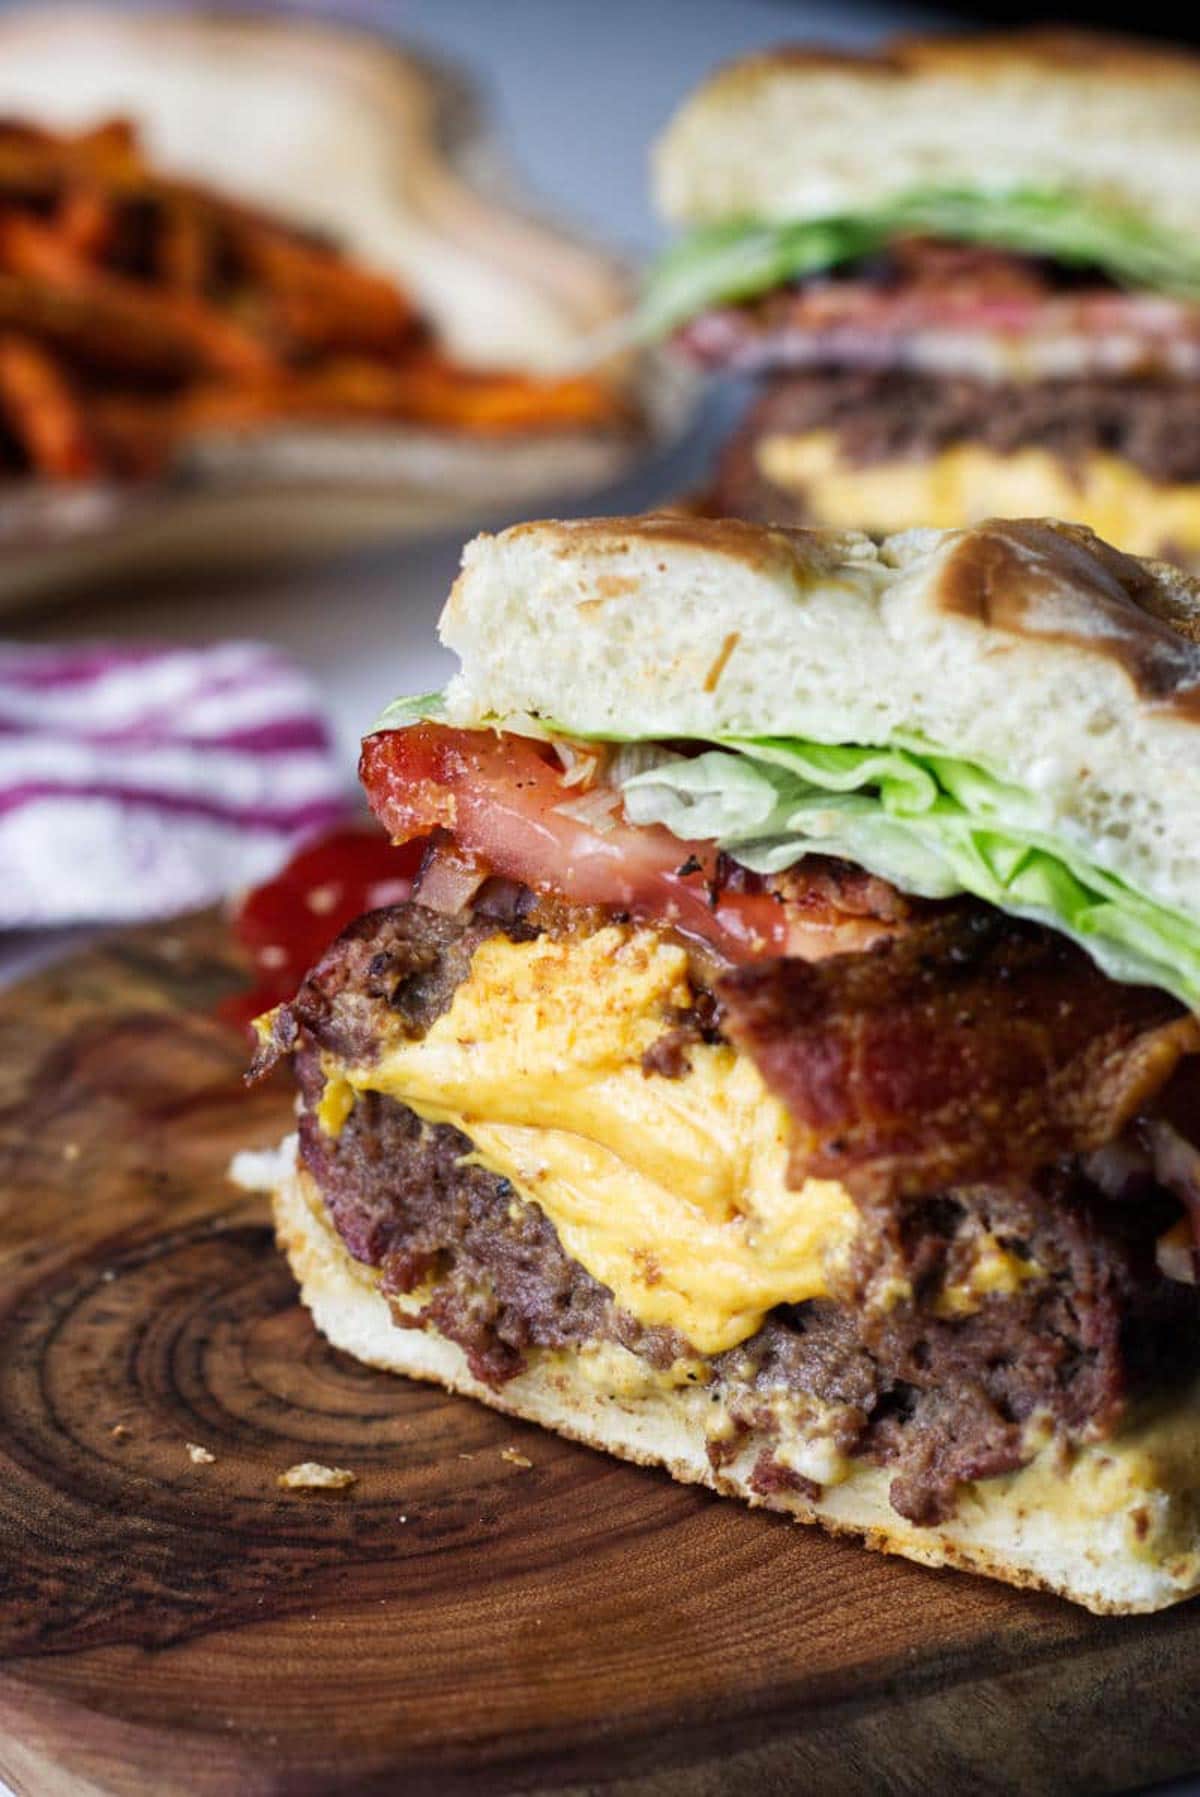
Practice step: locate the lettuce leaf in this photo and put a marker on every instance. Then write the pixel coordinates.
(738, 258)
(930, 824)
(420, 708)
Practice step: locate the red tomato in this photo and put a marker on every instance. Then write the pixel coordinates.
(501, 796)
(287, 923)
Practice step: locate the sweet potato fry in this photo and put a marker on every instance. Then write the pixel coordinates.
(28, 247)
(185, 248)
(321, 301)
(41, 412)
(114, 323)
(437, 392)
(139, 310)
(33, 161)
(85, 221)
(442, 397)
(115, 139)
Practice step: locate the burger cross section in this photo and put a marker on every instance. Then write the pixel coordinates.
(778, 1072)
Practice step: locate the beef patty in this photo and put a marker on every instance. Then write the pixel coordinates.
(937, 1396)
(1153, 425)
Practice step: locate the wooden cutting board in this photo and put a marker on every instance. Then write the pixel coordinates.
(459, 1619)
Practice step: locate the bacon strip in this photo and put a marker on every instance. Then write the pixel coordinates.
(972, 1048)
(940, 308)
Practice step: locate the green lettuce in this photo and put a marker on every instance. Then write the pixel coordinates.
(739, 258)
(932, 825)
(421, 708)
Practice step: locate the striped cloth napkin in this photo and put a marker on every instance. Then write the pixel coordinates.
(138, 780)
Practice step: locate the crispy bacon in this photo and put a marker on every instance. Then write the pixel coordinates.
(970, 1049)
(942, 308)
(504, 801)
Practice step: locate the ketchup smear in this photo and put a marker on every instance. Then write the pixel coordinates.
(286, 924)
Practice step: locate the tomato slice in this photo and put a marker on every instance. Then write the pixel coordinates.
(502, 798)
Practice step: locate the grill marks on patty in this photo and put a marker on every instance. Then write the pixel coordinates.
(937, 1396)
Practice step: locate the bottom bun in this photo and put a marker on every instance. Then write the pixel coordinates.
(1114, 1526)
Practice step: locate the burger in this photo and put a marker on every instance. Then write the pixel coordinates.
(965, 274)
(784, 1068)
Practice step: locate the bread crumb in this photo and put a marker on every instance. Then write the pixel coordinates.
(515, 1459)
(200, 1456)
(71, 1151)
(309, 1475)
(119, 1432)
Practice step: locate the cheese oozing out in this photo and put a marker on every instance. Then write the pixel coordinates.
(671, 1191)
(967, 483)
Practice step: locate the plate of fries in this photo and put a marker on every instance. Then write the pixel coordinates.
(264, 293)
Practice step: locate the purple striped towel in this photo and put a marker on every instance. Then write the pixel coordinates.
(140, 780)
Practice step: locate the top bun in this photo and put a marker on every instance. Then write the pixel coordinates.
(1030, 648)
(798, 133)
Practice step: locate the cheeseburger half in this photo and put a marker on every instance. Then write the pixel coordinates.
(784, 1069)
(968, 273)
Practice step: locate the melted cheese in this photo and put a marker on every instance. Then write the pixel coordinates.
(672, 1192)
(968, 483)
(994, 1270)
(1140, 1475)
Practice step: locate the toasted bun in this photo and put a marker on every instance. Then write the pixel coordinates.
(801, 132)
(1117, 1529)
(1029, 647)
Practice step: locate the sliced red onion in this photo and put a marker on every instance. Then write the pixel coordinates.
(1116, 1166)
(1177, 1166)
(1175, 1253)
(580, 766)
(1157, 1152)
(597, 809)
(449, 881)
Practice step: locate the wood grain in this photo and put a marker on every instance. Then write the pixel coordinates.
(455, 1621)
